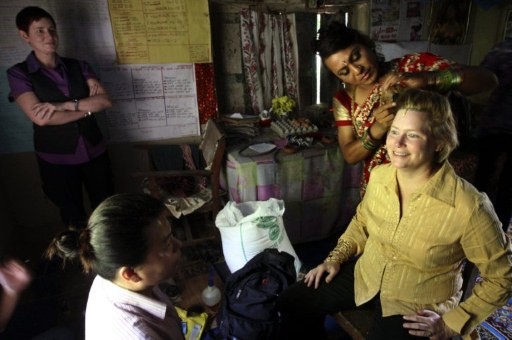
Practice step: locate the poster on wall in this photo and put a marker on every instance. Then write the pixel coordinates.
(385, 19)
(450, 20)
(404, 20)
(158, 32)
(413, 15)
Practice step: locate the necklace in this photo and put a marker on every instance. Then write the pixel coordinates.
(353, 101)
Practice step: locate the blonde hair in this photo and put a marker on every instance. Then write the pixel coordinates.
(440, 121)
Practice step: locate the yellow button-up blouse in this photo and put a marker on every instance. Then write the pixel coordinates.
(415, 261)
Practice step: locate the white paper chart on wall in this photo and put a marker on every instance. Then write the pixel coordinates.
(159, 102)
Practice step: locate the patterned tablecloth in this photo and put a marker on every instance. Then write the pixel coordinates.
(319, 189)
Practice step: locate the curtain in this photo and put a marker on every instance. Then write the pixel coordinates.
(269, 53)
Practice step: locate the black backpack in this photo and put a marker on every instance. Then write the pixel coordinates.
(248, 310)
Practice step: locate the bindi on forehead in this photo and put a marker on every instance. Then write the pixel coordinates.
(347, 55)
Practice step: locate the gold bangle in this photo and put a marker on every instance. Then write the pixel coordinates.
(447, 80)
(341, 253)
(368, 142)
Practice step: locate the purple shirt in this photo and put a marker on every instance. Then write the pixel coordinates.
(19, 83)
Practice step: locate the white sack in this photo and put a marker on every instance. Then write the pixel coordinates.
(248, 228)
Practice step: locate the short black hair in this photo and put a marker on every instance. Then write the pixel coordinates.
(28, 15)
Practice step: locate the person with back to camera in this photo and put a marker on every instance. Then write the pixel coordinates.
(362, 110)
(61, 96)
(129, 244)
(495, 135)
(406, 247)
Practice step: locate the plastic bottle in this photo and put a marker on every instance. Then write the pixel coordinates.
(211, 295)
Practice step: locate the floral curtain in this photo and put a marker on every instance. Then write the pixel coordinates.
(269, 52)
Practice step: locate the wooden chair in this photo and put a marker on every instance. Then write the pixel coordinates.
(357, 322)
(198, 164)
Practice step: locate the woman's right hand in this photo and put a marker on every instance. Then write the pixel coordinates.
(314, 276)
(396, 81)
(384, 116)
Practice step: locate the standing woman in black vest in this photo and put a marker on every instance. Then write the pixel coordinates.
(60, 96)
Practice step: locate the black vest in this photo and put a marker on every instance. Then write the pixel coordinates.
(62, 139)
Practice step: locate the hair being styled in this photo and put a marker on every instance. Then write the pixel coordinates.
(440, 117)
(117, 235)
(335, 36)
(28, 15)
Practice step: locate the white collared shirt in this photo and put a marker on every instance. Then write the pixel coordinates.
(117, 313)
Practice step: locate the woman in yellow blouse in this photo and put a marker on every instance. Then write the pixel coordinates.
(414, 229)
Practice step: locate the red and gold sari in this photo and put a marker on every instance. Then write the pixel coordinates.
(360, 117)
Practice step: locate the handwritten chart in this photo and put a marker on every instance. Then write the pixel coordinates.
(162, 31)
(151, 102)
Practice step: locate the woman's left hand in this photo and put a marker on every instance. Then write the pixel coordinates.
(400, 80)
(428, 324)
(315, 275)
(417, 80)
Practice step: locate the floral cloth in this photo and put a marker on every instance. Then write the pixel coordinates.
(269, 53)
(360, 117)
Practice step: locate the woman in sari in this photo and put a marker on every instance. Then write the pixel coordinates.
(364, 109)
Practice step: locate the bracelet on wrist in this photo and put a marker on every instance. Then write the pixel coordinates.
(341, 253)
(368, 142)
(76, 102)
(87, 114)
(447, 80)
